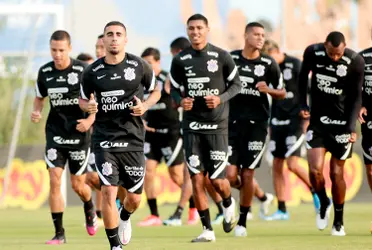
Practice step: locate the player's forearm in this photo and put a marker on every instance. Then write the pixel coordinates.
(278, 94)
(153, 98)
(38, 104)
(303, 87)
(83, 104)
(232, 90)
(91, 118)
(355, 104)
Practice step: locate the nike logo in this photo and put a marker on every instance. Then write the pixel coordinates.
(319, 66)
(218, 165)
(100, 77)
(255, 156)
(190, 67)
(50, 78)
(112, 236)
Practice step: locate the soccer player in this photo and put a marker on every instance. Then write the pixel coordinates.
(335, 97)
(85, 57)
(100, 47)
(249, 113)
(286, 128)
(204, 78)
(163, 140)
(113, 88)
(67, 139)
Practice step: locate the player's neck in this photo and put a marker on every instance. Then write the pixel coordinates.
(157, 71)
(250, 53)
(199, 46)
(64, 65)
(281, 58)
(114, 59)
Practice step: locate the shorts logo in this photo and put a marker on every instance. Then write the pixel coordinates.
(309, 135)
(146, 148)
(277, 122)
(107, 168)
(60, 140)
(78, 156)
(134, 171)
(369, 125)
(167, 152)
(212, 65)
(129, 74)
(259, 70)
(108, 144)
(72, 78)
(92, 159)
(229, 151)
(272, 146)
(290, 140)
(255, 145)
(194, 161)
(198, 126)
(327, 120)
(52, 154)
(370, 151)
(217, 155)
(342, 139)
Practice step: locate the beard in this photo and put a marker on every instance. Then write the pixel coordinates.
(114, 52)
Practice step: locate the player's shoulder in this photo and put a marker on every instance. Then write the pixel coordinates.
(316, 49)
(134, 60)
(236, 54)
(48, 67)
(185, 54)
(292, 60)
(78, 65)
(366, 53)
(96, 66)
(266, 59)
(163, 75)
(351, 56)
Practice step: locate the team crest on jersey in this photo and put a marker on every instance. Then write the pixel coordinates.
(287, 74)
(146, 148)
(194, 161)
(309, 135)
(272, 146)
(72, 78)
(107, 168)
(259, 70)
(212, 65)
(341, 70)
(52, 154)
(129, 74)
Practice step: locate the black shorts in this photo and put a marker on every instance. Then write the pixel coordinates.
(206, 153)
(168, 146)
(287, 137)
(332, 138)
(76, 159)
(367, 142)
(121, 168)
(247, 143)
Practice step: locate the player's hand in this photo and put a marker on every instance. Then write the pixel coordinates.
(353, 137)
(305, 114)
(140, 107)
(212, 101)
(83, 125)
(187, 103)
(35, 116)
(262, 87)
(362, 112)
(92, 106)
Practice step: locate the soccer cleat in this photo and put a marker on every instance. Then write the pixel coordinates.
(240, 231)
(278, 215)
(264, 207)
(206, 236)
(322, 216)
(125, 231)
(218, 220)
(338, 230)
(193, 216)
(229, 220)
(57, 240)
(150, 220)
(249, 216)
(173, 221)
(91, 223)
(116, 248)
(316, 202)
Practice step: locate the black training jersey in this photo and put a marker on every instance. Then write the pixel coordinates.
(196, 74)
(250, 104)
(114, 87)
(62, 87)
(367, 87)
(163, 116)
(289, 107)
(336, 87)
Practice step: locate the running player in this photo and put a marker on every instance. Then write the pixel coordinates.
(204, 78)
(118, 80)
(335, 97)
(286, 127)
(67, 139)
(249, 113)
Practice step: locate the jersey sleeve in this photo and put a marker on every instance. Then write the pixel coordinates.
(303, 79)
(275, 76)
(86, 86)
(231, 76)
(176, 76)
(353, 100)
(148, 79)
(365, 96)
(40, 89)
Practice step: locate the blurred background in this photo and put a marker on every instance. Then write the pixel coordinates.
(25, 28)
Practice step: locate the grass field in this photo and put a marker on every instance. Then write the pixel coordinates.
(29, 230)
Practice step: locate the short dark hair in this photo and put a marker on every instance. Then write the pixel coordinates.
(151, 52)
(196, 17)
(180, 43)
(115, 23)
(84, 57)
(335, 38)
(60, 35)
(100, 36)
(252, 25)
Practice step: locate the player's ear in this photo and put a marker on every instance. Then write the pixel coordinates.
(125, 40)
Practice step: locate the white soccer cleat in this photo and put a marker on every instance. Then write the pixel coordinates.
(240, 231)
(338, 230)
(125, 231)
(264, 208)
(117, 248)
(229, 215)
(249, 216)
(322, 222)
(206, 236)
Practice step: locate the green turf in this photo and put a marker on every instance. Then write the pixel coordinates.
(30, 229)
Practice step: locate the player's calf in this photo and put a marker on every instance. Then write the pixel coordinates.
(131, 203)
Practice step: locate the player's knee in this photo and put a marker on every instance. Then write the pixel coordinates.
(55, 184)
(247, 174)
(77, 186)
(177, 179)
(134, 200)
(316, 172)
(336, 174)
(218, 184)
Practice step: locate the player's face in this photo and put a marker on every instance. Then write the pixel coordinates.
(197, 31)
(255, 37)
(274, 53)
(151, 60)
(335, 53)
(115, 39)
(100, 48)
(60, 51)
